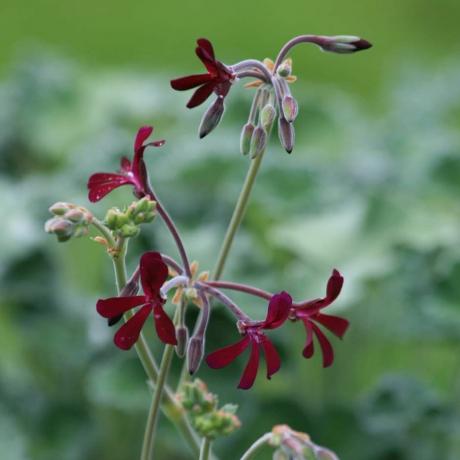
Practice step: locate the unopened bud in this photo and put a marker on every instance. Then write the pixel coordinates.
(114, 218)
(129, 230)
(258, 142)
(59, 208)
(74, 215)
(286, 134)
(182, 340)
(285, 68)
(345, 44)
(267, 117)
(245, 139)
(62, 228)
(212, 117)
(290, 108)
(144, 205)
(195, 353)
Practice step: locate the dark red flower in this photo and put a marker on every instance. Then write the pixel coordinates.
(135, 173)
(310, 314)
(218, 79)
(153, 273)
(278, 311)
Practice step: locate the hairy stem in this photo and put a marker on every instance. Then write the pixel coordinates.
(256, 447)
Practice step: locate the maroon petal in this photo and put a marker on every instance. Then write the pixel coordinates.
(128, 334)
(272, 357)
(142, 135)
(191, 81)
(278, 310)
(207, 48)
(100, 184)
(164, 326)
(114, 306)
(309, 348)
(154, 273)
(201, 94)
(224, 356)
(125, 165)
(326, 347)
(250, 371)
(334, 286)
(335, 324)
(156, 143)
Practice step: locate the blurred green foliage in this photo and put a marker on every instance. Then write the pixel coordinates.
(375, 196)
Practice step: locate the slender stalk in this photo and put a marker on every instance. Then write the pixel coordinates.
(241, 288)
(205, 449)
(256, 447)
(238, 215)
(150, 429)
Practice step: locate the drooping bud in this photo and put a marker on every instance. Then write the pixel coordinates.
(182, 340)
(344, 44)
(245, 139)
(212, 117)
(62, 228)
(286, 134)
(290, 108)
(195, 353)
(258, 142)
(70, 221)
(267, 117)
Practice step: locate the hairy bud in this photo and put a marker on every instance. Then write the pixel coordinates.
(344, 44)
(267, 116)
(286, 134)
(258, 142)
(182, 340)
(245, 139)
(195, 353)
(290, 108)
(211, 117)
(285, 68)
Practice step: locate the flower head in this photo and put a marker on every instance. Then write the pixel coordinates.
(131, 173)
(218, 78)
(310, 314)
(153, 274)
(278, 311)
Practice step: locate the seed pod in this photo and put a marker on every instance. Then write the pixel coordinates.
(212, 117)
(258, 142)
(245, 139)
(290, 108)
(286, 134)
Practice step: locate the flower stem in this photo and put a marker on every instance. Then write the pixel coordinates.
(257, 447)
(238, 215)
(149, 435)
(205, 449)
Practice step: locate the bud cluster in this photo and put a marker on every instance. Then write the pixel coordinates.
(126, 223)
(69, 221)
(202, 407)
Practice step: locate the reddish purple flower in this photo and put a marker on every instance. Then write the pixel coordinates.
(153, 272)
(135, 173)
(218, 79)
(310, 314)
(278, 311)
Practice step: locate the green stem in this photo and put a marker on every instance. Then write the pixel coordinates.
(149, 436)
(238, 215)
(205, 449)
(257, 447)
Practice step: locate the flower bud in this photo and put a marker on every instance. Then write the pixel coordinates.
(285, 68)
(114, 218)
(62, 228)
(245, 139)
(267, 116)
(59, 208)
(195, 353)
(286, 134)
(258, 142)
(74, 215)
(144, 205)
(212, 117)
(129, 230)
(344, 44)
(182, 340)
(290, 108)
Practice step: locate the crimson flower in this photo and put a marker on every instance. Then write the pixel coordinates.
(278, 311)
(218, 79)
(310, 314)
(133, 173)
(153, 273)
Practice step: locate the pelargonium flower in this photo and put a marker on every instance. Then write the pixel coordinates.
(278, 311)
(218, 79)
(131, 173)
(310, 314)
(153, 274)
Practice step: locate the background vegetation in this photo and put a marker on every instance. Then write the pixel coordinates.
(371, 188)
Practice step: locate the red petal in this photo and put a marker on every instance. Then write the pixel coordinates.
(309, 345)
(191, 81)
(334, 286)
(272, 357)
(128, 334)
(125, 165)
(278, 310)
(250, 371)
(100, 184)
(142, 136)
(114, 306)
(326, 347)
(157, 143)
(207, 47)
(201, 94)
(164, 326)
(224, 356)
(154, 273)
(335, 324)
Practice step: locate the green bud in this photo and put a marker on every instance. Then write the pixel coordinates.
(285, 68)
(258, 142)
(59, 208)
(290, 108)
(145, 205)
(129, 230)
(245, 139)
(267, 116)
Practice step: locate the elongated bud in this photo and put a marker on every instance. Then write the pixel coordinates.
(290, 108)
(344, 44)
(286, 134)
(212, 117)
(245, 139)
(195, 353)
(258, 142)
(182, 340)
(267, 117)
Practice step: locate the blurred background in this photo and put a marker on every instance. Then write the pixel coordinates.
(371, 188)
